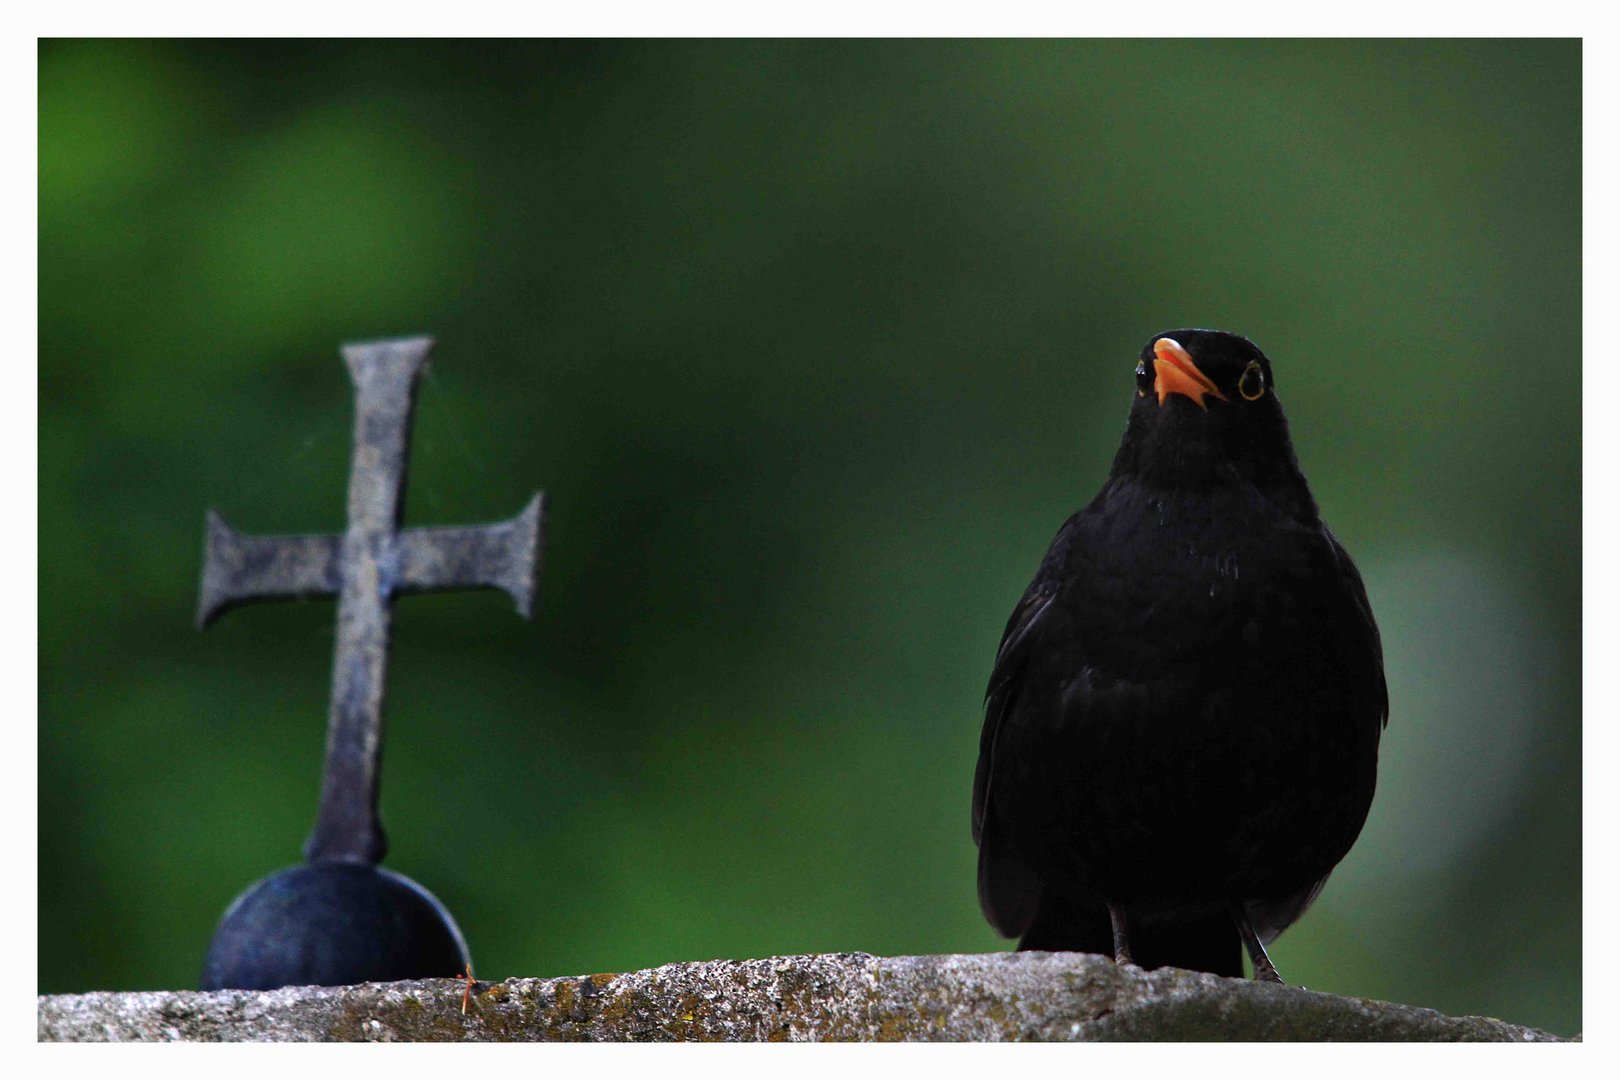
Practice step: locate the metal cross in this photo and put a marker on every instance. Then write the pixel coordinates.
(366, 567)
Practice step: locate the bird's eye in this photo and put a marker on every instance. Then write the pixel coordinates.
(1253, 383)
(1144, 379)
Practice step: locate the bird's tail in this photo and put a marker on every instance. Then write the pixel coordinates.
(1203, 942)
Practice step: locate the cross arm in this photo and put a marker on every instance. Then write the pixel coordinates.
(503, 556)
(238, 568)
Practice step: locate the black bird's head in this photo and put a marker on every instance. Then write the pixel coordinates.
(1206, 411)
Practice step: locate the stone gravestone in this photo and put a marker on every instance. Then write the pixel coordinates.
(341, 918)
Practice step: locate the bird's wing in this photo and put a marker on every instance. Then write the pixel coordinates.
(1007, 890)
(1022, 628)
(1358, 592)
(1271, 919)
(1027, 626)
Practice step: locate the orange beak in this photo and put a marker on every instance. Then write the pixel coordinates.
(1175, 373)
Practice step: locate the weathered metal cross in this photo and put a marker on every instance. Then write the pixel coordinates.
(366, 567)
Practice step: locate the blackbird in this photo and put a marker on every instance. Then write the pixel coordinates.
(1181, 728)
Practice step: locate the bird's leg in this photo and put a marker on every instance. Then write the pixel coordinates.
(1122, 941)
(1264, 969)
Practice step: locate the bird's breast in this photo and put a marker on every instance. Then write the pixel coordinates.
(1198, 699)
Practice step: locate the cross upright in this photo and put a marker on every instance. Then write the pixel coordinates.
(366, 567)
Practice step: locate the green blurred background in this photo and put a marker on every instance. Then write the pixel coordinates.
(812, 345)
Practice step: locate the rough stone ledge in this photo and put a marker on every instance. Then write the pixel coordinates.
(838, 996)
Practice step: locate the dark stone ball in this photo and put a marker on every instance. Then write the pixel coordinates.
(332, 924)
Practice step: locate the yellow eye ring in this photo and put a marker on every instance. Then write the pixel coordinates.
(1252, 376)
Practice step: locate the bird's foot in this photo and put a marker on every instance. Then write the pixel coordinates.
(1122, 941)
(1265, 971)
